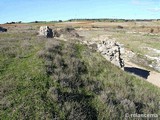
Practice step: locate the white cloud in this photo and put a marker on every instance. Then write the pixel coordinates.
(139, 2)
(154, 9)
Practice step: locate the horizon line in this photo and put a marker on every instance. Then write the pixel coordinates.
(130, 19)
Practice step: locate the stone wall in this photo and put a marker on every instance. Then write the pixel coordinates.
(110, 50)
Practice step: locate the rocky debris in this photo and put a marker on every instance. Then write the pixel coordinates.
(155, 62)
(3, 29)
(152, 49)
(45, 31)
(110, 49)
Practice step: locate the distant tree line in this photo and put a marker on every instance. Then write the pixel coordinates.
(86, 19)
(13, 22)
(113, 20)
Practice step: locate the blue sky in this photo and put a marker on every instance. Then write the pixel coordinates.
(49, 10)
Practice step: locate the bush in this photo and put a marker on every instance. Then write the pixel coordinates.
(151, 30)
(120, 27)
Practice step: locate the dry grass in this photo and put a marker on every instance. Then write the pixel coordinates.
(85, 81)
(50, 79)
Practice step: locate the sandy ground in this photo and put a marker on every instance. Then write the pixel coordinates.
(154, 77)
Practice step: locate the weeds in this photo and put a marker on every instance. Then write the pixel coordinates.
(80, 80)
(66, 81)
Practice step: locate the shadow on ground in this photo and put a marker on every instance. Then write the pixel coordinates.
(137, 71)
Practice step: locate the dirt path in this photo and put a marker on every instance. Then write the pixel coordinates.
(153, 77)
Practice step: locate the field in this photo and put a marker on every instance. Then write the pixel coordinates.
(60, 78)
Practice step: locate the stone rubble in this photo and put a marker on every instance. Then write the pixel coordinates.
(155, 62)
(45, 31)
(110, 50)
